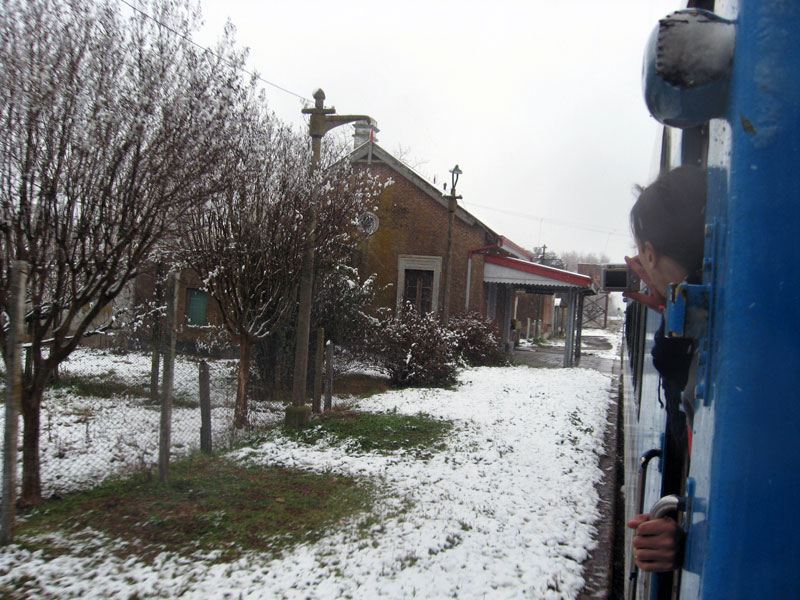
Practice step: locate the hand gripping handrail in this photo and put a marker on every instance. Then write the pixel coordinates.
(660, 509)
(643, 462)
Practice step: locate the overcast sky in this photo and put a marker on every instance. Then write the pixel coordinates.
(539, 103)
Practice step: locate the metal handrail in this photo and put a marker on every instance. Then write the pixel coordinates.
(643, 462)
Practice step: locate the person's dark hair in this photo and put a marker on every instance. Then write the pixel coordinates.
(670, 213)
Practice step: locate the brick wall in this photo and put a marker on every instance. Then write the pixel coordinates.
(145, 292)
(413, 223)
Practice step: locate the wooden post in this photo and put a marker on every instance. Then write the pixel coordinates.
(16, 333)
(168, 351)
(205, 409)
(316, 403)
(329, 375)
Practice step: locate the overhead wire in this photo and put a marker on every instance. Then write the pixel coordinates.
(305, 100)
(308, 101)
(562, 223)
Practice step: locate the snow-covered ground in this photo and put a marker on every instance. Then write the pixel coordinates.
(505, 511)
(86, 439)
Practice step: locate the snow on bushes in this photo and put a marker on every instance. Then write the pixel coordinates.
(477, 341)
(416, 349)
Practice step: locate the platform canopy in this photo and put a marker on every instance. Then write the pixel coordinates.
(522, 273)
(540, 279)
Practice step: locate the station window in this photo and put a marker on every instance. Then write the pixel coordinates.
(419, 289)
(418, 281)
(197, 307)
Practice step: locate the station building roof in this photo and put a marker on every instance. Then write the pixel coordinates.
(534, 277)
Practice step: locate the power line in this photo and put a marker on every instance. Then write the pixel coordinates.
(201, 47)
(553, 221)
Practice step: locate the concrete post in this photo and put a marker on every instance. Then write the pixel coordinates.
(168, 351)
(569, 330)
(329, 375)
(16, 334)
(205, 408)
(316, 403)
(578, 328)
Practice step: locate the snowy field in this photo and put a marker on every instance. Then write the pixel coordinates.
(505, 511)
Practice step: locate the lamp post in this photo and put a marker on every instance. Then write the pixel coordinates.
(321, 121)
(452, 204)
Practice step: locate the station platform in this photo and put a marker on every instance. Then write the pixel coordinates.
(596, 353)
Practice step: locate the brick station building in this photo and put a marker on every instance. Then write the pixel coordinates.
(406, 246)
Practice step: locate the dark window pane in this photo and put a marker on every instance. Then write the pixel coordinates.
(419, 289)
(197, 307)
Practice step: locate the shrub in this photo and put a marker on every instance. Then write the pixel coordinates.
(415, 349)
(341, 303)
(477, 342)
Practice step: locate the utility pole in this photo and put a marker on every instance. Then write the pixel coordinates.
(452, 205)
(321, 121)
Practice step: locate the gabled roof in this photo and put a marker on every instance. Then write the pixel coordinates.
(372, 153)
(504, 269)
(498, 268)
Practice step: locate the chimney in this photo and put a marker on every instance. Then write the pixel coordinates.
(364, 132)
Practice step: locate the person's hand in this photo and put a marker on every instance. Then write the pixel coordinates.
(653, 300)
(657, 543)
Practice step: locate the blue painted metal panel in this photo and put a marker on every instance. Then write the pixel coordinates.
(647, 424)
(742, 540)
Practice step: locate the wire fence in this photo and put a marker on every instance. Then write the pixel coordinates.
(99, 419)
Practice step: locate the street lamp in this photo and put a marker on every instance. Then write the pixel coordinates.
(452, 205)
(321, 121)
(454, 173)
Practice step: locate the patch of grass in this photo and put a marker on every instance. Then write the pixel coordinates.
(210, 504)
(379, 432)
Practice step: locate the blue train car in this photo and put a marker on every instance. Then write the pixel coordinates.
(740, 117)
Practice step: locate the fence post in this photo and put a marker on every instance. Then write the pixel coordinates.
(316, 403)
(328, 374)
(168, 351)
(16, 333)
(155, 361)
(205, 408)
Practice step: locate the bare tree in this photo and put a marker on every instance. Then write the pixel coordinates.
(112, 128)
(247, 245)
(572, 258)
(547, 257)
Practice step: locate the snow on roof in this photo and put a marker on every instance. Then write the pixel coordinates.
(515, 249)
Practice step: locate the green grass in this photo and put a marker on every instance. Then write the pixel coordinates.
(210, 504)
(378, 432)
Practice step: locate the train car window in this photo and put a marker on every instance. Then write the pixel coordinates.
(704, 4)
(694, 146)
(665, 164)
